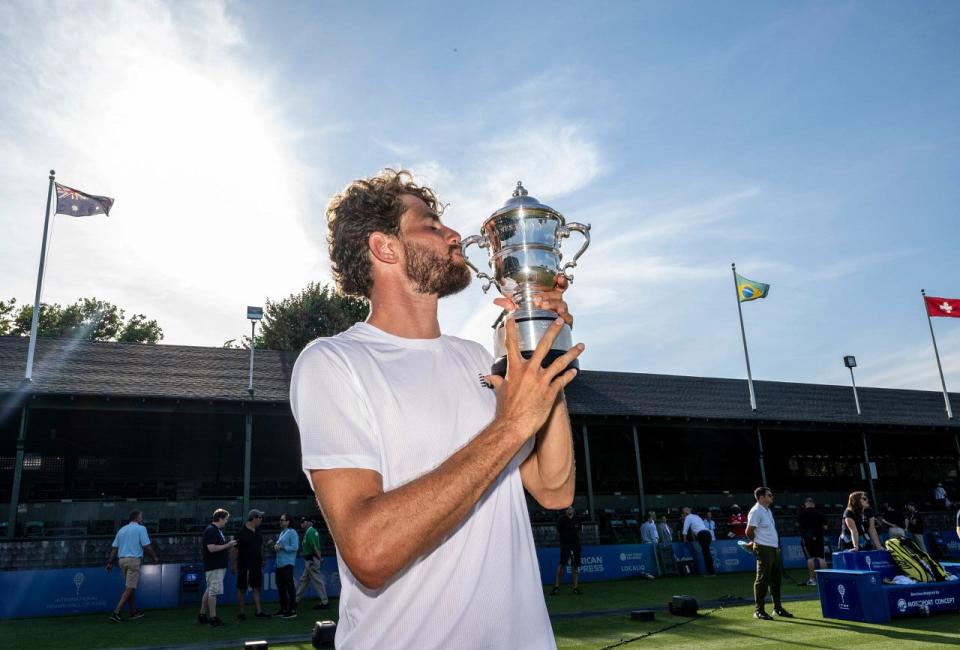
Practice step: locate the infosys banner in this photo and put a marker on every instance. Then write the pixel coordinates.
(53, 592)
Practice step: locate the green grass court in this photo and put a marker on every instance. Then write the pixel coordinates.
(599, 618)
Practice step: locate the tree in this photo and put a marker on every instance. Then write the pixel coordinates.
(318, 310)
(6, 322)
(88, 319)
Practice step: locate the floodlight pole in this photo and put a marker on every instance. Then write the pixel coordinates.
(253, 314)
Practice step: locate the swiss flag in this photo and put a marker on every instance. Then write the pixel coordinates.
(943, 306)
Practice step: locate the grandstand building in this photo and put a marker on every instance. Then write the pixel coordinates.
(105, 428)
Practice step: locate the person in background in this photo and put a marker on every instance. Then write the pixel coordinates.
(312, 563)
(663, 530)
(812, 525)
(693, 524)
(913, 522)
(765, 544)
(248, 564)
(858, 530)
(130, 543)
(710, 524)
(648, 530)
(286, 548)
(940, 497)
(736, 523)
(568, 530)
(958, 523)
(215, 549)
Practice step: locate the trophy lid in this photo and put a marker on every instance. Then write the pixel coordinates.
(522, 199)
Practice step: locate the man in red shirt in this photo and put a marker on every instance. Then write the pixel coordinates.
(737, 523)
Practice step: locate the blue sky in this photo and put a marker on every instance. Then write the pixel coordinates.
(815, 144)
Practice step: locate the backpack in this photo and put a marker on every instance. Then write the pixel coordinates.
(914, 562)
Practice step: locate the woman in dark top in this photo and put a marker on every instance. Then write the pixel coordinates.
(857, 518)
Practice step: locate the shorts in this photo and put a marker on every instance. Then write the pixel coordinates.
(571, 555)
(248, 576)
(215, 582)
(131, 571)
(812, 547)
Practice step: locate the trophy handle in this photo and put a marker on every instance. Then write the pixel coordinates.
(482, 242)
(565, 232)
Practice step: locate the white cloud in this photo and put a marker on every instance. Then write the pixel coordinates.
(156, 108)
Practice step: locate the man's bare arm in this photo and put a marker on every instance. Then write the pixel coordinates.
(379, 533)
(549, 472)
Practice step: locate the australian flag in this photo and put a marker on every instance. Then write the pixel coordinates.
(80, 204)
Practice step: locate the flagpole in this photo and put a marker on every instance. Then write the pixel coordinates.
(36, 301)
(743, 334)
(936, 353)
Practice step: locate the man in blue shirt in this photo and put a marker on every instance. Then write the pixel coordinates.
(129, 545)
(286, 548)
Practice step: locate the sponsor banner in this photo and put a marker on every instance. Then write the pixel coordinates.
(53, 592)
(601, 562)
(923, 598)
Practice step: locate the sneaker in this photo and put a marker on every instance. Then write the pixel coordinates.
(203, 619)
(262, 615)
(137, 614)
(279, 613)
(322, 606)
(555, 591)
(811, 582)
(290, 614)
(576, 590)
(782, 613)
(241, 617)
(216, 622)
(762, 615)
(116, 618)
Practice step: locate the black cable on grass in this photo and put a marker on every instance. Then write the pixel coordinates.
(723, 601)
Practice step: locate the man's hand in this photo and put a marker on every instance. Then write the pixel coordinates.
(528, 392)
(549, 300)
(109, 566)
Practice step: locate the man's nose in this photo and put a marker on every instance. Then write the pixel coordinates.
(453, 236)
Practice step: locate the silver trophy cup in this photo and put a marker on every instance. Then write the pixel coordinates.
(523, 239)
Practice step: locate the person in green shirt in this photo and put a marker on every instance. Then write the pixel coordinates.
(310, 550)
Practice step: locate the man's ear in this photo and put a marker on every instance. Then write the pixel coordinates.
(384, 247)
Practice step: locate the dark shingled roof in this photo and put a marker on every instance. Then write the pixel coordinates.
(91, 368)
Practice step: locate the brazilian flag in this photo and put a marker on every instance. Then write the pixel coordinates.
(748, 290)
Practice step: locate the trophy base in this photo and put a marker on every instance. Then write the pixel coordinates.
(532, 324)
(500, 365)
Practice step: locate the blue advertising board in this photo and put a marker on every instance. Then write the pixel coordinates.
(53, 592)
(602, 562)
(923, 598)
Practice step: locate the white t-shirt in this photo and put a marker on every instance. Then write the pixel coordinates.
(766, 533)
(368, 399)
(692, 523)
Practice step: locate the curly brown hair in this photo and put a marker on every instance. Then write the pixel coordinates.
(366, 206)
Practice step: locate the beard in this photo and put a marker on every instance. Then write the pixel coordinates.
(433, 273)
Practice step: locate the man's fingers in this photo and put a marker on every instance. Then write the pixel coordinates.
(565, 360)
(561, 382)
(505, 303)
(494, 381)
(540, 353)
(514, 358)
